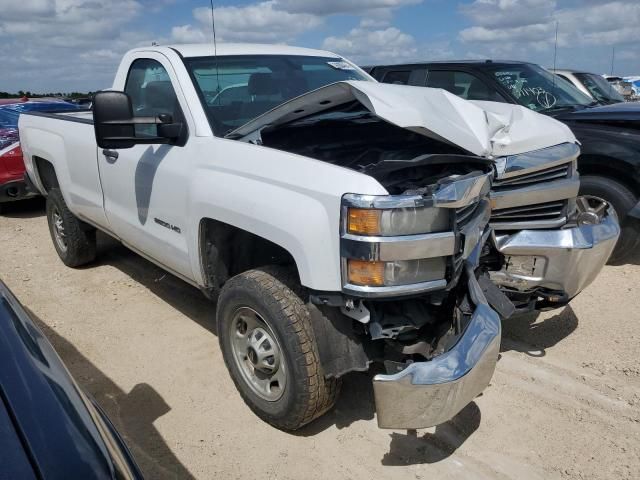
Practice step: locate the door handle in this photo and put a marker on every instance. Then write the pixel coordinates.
(110, 154)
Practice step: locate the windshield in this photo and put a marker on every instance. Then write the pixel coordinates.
(236, 89)
(538, 89)
(599, 88)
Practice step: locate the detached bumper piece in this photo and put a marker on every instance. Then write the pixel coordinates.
(430, 393)
(565, 260)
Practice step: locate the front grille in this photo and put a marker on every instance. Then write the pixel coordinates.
(542, 212)
(557, 172)
(464, 214)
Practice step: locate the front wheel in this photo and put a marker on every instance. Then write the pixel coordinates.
(622, 200)
(269, 348)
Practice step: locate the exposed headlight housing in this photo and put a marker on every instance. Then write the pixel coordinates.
(398, 221)
(401, 244)
(393, 273)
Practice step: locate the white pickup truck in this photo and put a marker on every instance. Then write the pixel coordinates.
(338, 222)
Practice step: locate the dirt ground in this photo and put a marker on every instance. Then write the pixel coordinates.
(564, 402)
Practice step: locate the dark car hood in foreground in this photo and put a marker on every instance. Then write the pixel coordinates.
(52, 428)
(620, 114)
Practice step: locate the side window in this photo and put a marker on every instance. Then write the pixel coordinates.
(463, 84)
(149, 87)
(418, 77)
(565, 78)
(398, 77)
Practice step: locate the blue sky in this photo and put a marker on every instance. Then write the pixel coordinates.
(64, 45)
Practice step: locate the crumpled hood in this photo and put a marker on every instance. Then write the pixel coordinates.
(487, 129)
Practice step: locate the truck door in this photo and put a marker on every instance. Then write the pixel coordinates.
(146, 187)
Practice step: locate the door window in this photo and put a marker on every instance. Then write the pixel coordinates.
(398, 77)
(151, 92)
(463, 84)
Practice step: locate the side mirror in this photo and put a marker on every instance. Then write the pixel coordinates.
(114, 123)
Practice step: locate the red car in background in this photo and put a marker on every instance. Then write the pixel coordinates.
(12, 182)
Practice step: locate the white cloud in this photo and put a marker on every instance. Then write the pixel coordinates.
(366, 46)
(188, 34)
(258, 22)
(278, 21)
(509, 13)
(374, 22)
(12, 10)
(525, 33)
(65, 45)
(604, 23)
(501, 22)
(525, 30)
(329, 7)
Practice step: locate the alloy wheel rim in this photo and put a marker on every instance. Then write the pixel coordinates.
(591, 209)
(257, 354)
(59, 231)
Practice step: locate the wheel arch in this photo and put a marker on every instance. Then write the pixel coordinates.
(46, 174)
(239, 250)
(610, 167)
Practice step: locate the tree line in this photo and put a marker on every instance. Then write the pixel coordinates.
(28, 94)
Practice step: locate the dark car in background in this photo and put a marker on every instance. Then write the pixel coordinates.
(12, 183)
(609, 162)
(49, 428)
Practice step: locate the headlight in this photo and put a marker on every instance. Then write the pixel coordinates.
(399, 272)
(394, 245)
(398, 221)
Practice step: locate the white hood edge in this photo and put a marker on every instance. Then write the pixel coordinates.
(487, 129)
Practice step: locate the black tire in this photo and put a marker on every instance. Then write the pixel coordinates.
(622, 200)
(270, 291)
(79, 239)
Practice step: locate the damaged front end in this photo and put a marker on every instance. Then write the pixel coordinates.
(414, 284)
(419, 264)
(550, 242)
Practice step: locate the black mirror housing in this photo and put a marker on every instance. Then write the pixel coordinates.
(114, 123)
(113, 106)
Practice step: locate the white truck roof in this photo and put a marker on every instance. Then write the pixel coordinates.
(226, 49)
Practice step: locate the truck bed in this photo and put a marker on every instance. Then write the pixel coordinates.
(67, 141)
(81, 116)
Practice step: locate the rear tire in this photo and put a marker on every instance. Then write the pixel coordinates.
(622, 200)
(74, 240)
(264, 301)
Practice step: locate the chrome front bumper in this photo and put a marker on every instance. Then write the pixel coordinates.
(565, 260)
(430, 393)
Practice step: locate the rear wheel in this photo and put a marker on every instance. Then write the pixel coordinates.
(270, 349)
(622, 200)
(74, 240)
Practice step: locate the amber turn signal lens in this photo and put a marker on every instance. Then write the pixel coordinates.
(362, 272)
(362, 221)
